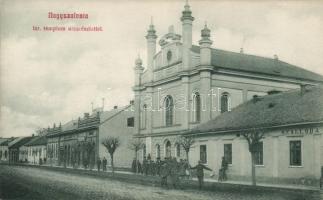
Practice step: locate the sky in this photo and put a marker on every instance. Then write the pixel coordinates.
(52, 77)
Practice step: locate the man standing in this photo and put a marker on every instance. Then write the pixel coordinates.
(200, 173)
(158, 166)
(98, 163)
(134, 166)
(224, 167)
(104, 164)
(174, 172)
(164, 172)
(145, 166)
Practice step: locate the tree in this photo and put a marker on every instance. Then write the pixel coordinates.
(111, 144)
(136, 144)
(186, 142)
(253, 138)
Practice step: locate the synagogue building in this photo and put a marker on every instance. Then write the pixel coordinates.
(214, 95)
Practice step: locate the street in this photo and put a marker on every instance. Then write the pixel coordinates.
(23, 182)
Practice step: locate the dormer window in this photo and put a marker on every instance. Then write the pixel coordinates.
(169, 56)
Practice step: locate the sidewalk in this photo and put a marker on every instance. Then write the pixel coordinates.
(206, 180)
(300, 187)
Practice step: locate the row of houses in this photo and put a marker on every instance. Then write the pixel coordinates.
(77, 143)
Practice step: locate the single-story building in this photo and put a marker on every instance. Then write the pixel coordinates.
(14, 146)
(36, 150)
(291, 150)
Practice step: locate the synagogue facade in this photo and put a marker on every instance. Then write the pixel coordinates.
(184, 85)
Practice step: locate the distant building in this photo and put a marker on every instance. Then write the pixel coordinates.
(4, 151)
(14, 149)
(186, 85)
(78, 143)
(36, 150)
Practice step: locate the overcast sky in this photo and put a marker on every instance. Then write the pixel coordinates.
(50, 77)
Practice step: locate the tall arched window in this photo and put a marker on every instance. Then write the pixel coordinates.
(157, 151)
(169, 110)
(168, 149)
(197, 107)
(224, 102)
(144, 116)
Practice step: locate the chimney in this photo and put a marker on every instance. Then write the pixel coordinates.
(275, 57)
(115, 107)
(256, 98)
(305, 88)
(86, 115)
(273, 92)
(132, 102)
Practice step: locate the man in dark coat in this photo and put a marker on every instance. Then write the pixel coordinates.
(153, 168)
(145, 166)
(164, 172)
(224, 168)
(104, 164)
(158, 166)
(174, 172)
(139, 167)
(134, 166)
(200, 173)
(321, 179)
(98, 163)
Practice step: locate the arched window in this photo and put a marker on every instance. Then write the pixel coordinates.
(169, 110)
(178, 150)
(5, 154)
(144, 116)
(157, 151)
(0, 155)
(168, 149)
(197, 107)
(224, 102)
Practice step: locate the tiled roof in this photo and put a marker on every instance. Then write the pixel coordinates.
(38, 140)
(93, 121)
(20, 143)
(69, 125)
(272, 110)
(257, 64)
(4, 143)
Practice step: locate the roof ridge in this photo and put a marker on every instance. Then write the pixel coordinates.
(280, 63)
(262, 114)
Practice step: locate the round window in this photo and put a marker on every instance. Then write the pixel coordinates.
(169, 55)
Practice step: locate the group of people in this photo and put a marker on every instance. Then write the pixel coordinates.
(104, 163)
(167, 168)
(170, 170)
